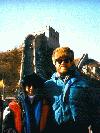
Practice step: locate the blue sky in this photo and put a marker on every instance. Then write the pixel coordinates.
(77, 21)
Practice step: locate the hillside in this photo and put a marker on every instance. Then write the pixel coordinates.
(10, 62)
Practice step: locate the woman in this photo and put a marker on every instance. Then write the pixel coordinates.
(31, 112)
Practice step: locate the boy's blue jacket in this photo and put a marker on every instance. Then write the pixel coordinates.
(68, 96)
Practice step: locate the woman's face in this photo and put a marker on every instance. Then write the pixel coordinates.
(30, 90)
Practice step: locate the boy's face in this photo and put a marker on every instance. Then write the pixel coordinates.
(62, 65)
(30, 90)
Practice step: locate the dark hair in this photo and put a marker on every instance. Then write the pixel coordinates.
(33, 80)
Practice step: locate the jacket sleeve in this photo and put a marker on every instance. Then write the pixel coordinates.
(79, 102)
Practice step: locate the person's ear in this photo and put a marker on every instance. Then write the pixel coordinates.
(54, 62)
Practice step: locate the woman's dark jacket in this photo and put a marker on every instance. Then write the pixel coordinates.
(35, 117)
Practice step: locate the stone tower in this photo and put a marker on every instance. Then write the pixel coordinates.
(38, 51)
